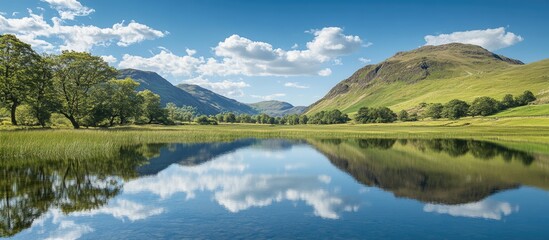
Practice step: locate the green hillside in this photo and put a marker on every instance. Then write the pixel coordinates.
(168, 92)
(526, 111)
(218, 102)
(436, 74)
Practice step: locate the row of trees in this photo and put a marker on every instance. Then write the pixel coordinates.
(77, 85)
(481, 106)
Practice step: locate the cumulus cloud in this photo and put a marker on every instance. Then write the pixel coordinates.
(237, 55)
(491, 39)
(109, 59)
(269, 97)
(237, 189)
(165, 62)
(123, 209)
(487, 209)
(40, 34)
(226, 87)
(295, 85)
(69, 230)
(68, 9)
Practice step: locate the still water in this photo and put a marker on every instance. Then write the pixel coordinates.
(263, 189)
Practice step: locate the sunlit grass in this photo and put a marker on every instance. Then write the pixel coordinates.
(93, 143)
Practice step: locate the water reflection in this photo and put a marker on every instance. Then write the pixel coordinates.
(450, 176)
(488, 209)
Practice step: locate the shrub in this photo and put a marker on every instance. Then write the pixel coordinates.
(455, 109)
(484, 106)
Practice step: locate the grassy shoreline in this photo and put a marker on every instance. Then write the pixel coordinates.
(531, 134)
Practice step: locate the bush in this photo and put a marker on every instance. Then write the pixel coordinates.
(204, 120)
(525, 98)
(484, 106)
(455, 109)
(403, 116)
(508, 101)
(375, 115)
(25, 116)
(434, 111)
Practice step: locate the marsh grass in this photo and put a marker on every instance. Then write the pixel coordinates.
(98, 143)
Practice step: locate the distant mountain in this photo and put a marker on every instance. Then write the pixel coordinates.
(206, 101)
(277, 108)
(168, 92)
(435, 74)
(216, 101)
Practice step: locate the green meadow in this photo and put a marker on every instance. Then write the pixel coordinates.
(526, 133)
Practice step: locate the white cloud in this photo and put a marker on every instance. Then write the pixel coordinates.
(69, 230)
(364, 60)
(487, 209)
(325, 72)
(295, 85)
(226, 87)
(40, 34)
(330, 42)
(109, 59)
(491, 39)
(238, 55)
(237, 189)
(68, 9)
(165, 63)
(269, 97)
(123, 209)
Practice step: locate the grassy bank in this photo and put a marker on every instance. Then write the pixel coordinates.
(528, 133)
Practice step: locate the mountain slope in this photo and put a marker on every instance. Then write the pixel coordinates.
(435, 74)
(277, 108)
(216, 101)
(168, 92)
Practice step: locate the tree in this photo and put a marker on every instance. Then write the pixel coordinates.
(403, 116)
(455, 109)
(363, 115)
(151, 108)
(41, 95)
(303, 119)
(484, 106)
(125, 101)
(229, 117)
(508, 101)
(375, 115)
(75, 75)
(434, 111)
(525, 98)
(17, 64)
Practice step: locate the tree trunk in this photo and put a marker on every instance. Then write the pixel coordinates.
(13, 108)
(74, 122)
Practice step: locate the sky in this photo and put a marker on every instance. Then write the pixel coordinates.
(287, 50)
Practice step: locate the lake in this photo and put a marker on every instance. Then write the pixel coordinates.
(274, 188)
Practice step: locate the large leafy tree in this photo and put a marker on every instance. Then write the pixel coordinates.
(151, 107)
(484, 106)
(40, 95)
(455, 109)
(17, 63)
(75, 75)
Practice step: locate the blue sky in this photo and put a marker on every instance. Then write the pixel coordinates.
(293, 51)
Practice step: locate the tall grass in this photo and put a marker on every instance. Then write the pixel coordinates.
(70, 144)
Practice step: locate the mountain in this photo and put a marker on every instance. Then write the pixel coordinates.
(277, 108)
(168, 92)
(218, 102)
(435, 74)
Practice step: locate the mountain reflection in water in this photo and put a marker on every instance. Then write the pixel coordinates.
(451, 176)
